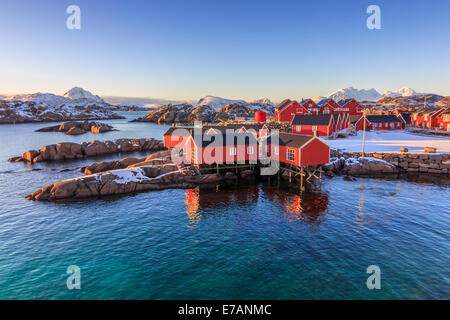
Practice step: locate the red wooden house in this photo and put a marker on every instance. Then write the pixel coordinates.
(384, 122)
(298, 150)
(314, 124)
(350, 106)
(328, 106)
(221, 148)
(435, 119)
(444, 120)
(286, 111)
(310, 106)
(358, 123)
(260, 129)
(176, 137)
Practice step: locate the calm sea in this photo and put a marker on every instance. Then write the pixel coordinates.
(255, 242)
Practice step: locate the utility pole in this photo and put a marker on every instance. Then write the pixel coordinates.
(364, 132)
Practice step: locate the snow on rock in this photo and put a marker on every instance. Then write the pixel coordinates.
(77, 93)
(357, 94)
(76, 104)
(402, 92)
(46, 99)
(217, 102)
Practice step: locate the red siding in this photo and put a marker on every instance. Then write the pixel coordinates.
(174, 141)
(287, 113)
(314, 152)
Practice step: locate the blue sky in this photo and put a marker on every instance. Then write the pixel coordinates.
(236, 49)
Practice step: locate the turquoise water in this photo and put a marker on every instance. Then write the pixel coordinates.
(255, 242)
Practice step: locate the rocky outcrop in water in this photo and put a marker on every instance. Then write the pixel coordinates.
(77, 128)
(69, 150)
(127, 181)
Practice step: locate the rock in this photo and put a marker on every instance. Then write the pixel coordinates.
(15, 159)
(368, 166)
(429, 150)
(159, 155)
(86, 125)
(30, 155)
(403, 149)
(95, 148)
(100, 128)
(74, 131)
(63, 151)
(66, 126)
(49, 129)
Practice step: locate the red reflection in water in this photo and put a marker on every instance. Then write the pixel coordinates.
(308, 208)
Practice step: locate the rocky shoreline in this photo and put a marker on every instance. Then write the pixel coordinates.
(388, 163)
(156, 172)
(70, 150)
(77, 128)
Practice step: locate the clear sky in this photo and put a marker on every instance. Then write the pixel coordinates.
(245, 49)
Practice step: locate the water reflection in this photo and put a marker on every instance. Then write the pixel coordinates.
(309, 208)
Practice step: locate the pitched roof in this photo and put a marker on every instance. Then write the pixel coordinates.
(288, 139)
(344, 102)
(284, 104)
(311, 120)
(323, 102)
(223, 129)
(228, 140)
(406, 116)
(182, 133)
(382, 118)
(354, 118)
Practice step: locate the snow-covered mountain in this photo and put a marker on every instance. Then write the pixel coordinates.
(368, 95)
(76, 104)
(46, 99)
(357, 94)
(402, 92)
(217, 102)
(77, 93)
(263, 101)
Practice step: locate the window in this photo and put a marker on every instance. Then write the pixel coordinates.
(326, 111)
(276, 150)
(298, 128)
(233, 151)
(250, 150)
(314, 128)
(290, 155)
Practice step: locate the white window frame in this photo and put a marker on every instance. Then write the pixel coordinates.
(288, 155)
(250, 150)
(233, 151)
(277, 150)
